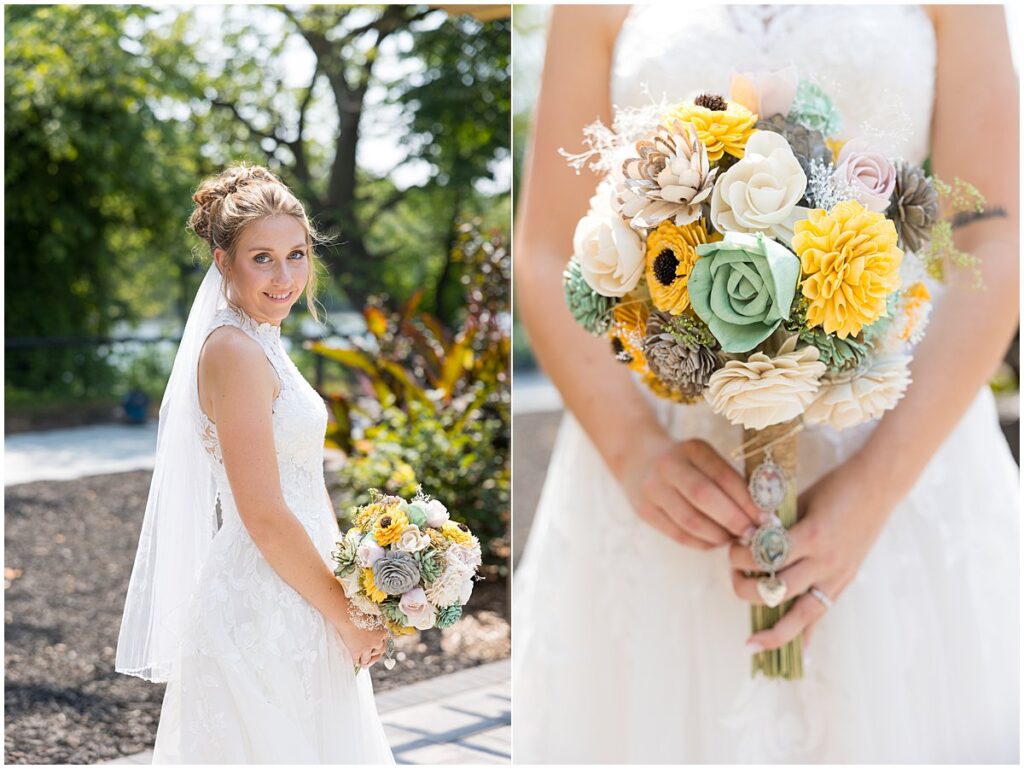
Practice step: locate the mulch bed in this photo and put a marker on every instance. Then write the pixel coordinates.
(69, 548)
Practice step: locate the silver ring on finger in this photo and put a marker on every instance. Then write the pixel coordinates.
(823, 599)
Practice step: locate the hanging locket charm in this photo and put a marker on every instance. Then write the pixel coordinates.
(770, 545)
(767, 484)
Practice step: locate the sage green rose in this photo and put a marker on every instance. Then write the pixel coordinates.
(415, 512)
(742, 287)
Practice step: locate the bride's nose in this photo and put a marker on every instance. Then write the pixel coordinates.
(280, 276)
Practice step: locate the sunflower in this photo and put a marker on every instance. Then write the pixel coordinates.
(627, 334)
(671, 254)
(457, 532)
(389, 527)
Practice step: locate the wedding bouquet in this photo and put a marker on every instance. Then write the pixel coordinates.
(737, 251)
(406, 566)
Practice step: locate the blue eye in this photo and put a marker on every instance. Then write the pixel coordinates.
(259, 258)
(301, 254)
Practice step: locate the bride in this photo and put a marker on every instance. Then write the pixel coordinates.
(632, 635)
(247, 623)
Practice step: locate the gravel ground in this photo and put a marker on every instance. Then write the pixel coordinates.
(68, 553)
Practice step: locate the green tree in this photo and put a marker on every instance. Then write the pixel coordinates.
(97, 184)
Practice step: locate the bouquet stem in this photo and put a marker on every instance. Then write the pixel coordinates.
(787, 661)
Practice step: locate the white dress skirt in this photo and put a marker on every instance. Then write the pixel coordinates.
(629, 648)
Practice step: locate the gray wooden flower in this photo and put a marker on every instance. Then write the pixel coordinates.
(396, 572)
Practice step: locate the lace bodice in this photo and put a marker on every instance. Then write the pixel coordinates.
(877, 64)
(299, 423)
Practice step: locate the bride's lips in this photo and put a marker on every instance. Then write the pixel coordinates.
(273, 297)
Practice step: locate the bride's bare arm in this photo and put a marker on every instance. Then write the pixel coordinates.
(238, 384)
(595, 387)
(974, 136)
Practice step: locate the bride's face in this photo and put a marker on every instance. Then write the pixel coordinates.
(270, 268)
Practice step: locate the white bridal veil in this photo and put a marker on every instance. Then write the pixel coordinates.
(180, 518)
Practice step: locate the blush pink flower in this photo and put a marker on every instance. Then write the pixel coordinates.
(870, 174)
(765, 92)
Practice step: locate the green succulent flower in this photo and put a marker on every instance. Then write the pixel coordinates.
(813, 108)
(448, 616)
(391, 611)
(431, 564)
(345, 557)
(837, 354)
(743, 287)
(415, 513)
(590, 309)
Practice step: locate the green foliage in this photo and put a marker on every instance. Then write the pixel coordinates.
(96, 183)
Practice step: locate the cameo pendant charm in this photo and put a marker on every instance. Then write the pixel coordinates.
(768, 484)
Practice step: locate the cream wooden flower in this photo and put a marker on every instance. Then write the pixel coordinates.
(760, 192)
(762, 390)
(847, 401)
(609, 252)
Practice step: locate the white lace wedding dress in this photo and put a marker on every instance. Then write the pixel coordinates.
(261, 676)
(629, 648)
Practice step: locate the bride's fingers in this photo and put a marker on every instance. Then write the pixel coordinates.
(684, 515)
(657, 518)
(805, 610)
(728, 480)
(809, 631)
(741, 559)
(798, 578)
(698, 488)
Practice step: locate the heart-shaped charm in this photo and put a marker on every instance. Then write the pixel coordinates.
(389, 663)
(772, 590)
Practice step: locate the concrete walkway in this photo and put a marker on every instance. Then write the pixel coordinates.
(459, 718)
(62, 455)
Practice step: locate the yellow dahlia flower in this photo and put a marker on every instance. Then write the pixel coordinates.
(671, 254)
(458, 533)
(627, 333)
(850, 263)
(723, 130)
(389, 527)
(373, 592)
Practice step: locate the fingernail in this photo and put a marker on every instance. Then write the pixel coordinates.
(753, 647)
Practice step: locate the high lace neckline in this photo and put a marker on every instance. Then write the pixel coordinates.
(262, 330)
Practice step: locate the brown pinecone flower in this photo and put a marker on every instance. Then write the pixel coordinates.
(915, 206)
(712, 101)
(678, 366)
(671, 177)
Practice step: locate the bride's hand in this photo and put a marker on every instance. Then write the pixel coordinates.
(689, 493)
(364, 646)
(841, 517)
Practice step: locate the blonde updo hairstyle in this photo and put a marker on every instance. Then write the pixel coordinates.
(238, 196)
